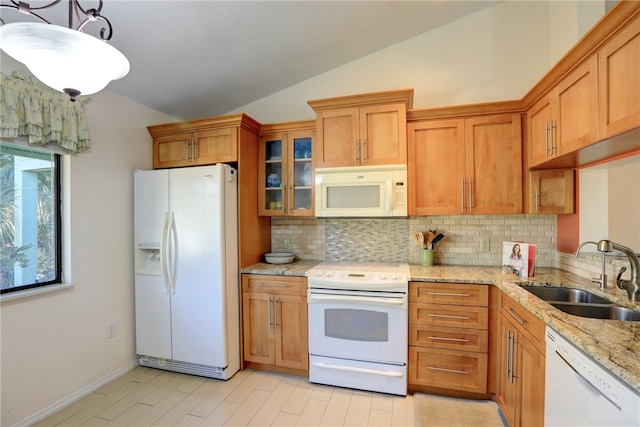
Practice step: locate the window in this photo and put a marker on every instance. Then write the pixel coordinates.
(30, 222)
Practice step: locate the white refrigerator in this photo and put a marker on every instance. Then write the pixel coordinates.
(186, 270)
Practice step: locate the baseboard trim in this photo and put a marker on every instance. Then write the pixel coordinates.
(74, 397)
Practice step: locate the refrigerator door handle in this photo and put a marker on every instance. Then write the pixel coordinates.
(173, 255)
(164, 251)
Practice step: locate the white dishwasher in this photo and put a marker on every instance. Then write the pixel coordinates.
(580, 392)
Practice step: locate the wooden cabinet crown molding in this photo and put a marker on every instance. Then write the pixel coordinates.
(233, 120)
(464, 111)
(403, 95)
(287, 127)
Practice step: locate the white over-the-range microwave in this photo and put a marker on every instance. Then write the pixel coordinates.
(361, 191)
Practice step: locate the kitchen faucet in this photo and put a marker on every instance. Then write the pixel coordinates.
(631, 286)
(603, 276)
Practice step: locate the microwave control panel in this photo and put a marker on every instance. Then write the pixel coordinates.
(399, 196)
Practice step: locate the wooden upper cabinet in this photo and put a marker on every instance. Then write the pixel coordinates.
(552, 192)
(368, 129)
(436, 166)
(171, 151)
(199, 142)
(566, 119)
(619, 87)
(286, 169)
(339, 132)
(465, 166)
(195, 148)
(494, 164)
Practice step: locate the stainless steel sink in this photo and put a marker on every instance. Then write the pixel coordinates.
(565, 295)
(611, 312)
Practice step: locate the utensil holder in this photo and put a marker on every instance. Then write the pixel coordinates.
(427, 256)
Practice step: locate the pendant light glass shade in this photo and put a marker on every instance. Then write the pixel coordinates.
(66, 60)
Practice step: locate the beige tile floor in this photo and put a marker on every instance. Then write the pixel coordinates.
(145, 397)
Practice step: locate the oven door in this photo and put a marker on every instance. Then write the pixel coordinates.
(368, 327)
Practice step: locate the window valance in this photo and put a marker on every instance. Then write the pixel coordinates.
(32, 109)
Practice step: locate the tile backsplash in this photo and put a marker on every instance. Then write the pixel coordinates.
(389, 239)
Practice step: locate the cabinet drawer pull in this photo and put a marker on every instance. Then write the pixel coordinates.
(448, 339)
(454, 371)
(515, 316)
(446, 294)
(274, 285)
(448, 317)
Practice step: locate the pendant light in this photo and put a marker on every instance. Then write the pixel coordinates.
(66, 59)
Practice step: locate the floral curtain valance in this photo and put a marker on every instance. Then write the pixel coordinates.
(32, 109)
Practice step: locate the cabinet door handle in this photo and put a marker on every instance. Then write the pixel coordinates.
(552, 147)
(188, 146)
(546, 139)
(463, 195)
(537, 197)
(446, 294)
(455, 371)
(448, 339)
(444, 316)
(355, 151)
(470, 195)
(363, 151)
(515, 316)
(513, 358)
(273, 285)
(193, 150)
(269, 314)
(507, 367)
(275, 310)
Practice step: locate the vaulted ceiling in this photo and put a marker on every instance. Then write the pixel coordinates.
(192, 59)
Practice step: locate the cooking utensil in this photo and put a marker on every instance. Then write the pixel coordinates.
(436, 240)
(418, 236)
(431, 234)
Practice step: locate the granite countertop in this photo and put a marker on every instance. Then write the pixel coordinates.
(296, 268)
(614, 344)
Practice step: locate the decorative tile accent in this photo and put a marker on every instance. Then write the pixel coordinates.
(382, 240)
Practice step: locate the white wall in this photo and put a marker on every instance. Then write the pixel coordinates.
(610, 203)
(497, 54)
(54, 345)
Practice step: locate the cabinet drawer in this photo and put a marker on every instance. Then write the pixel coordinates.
(449, 315)
(449, 338)
(274, 284)
(448, 369)
(448, 293)
(525, 321)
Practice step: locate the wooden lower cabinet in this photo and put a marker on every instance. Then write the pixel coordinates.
(522, 366)
(274, 314)
(448, 336)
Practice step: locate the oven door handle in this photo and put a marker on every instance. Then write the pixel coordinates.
(311, 298)
(359, 370)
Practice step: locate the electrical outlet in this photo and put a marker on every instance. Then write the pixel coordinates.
(111, 329)
(485, 244)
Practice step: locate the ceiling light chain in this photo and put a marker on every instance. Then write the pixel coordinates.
(66, 59)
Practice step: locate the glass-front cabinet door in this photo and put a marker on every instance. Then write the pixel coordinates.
(286, 174)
